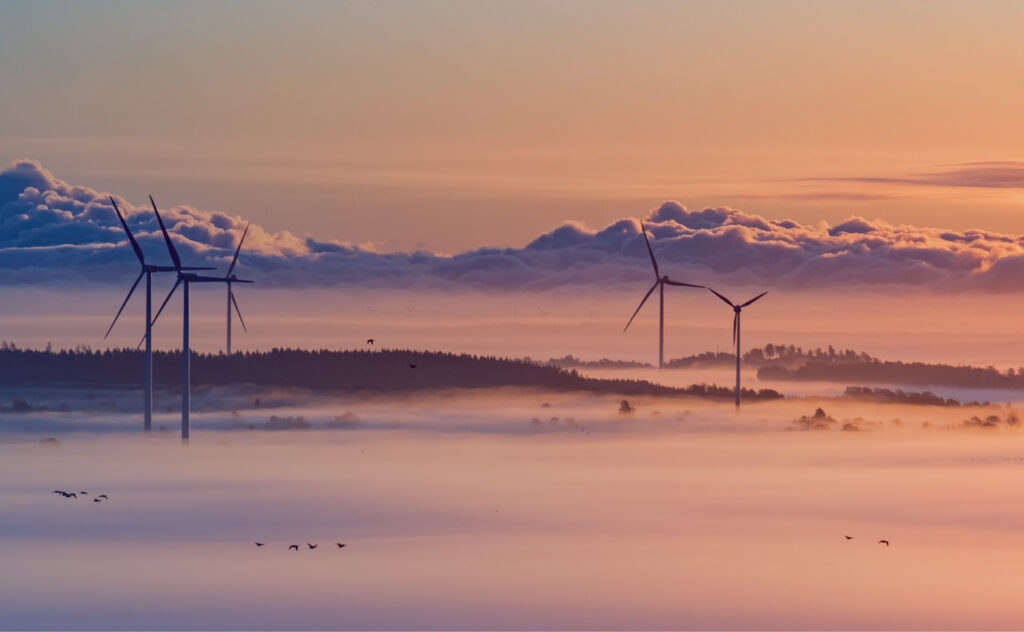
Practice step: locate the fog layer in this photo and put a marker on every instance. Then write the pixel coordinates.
(465, 513)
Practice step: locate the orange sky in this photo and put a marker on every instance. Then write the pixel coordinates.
(473, 124)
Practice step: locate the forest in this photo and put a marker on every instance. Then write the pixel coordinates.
(323, 370)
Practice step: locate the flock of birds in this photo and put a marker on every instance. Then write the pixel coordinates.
(885, 542)
(103, 497)
(295, 547)
(98, 499)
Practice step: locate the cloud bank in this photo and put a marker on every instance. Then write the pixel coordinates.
(51, 231)
(1005, 174)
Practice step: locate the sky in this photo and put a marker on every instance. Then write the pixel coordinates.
(487, 165)
(481, 177)
(452, 126)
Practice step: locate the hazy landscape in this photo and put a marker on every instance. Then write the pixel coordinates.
(544, 315)
(681, 509)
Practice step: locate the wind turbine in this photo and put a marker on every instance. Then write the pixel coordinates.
(231, 295)
(148, 270)
(184, 279)
(659, 282)
(736, 334)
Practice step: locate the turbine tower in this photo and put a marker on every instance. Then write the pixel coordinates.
(231, 295)
(184, 279)
(148, 270)
(659, 283)
(736, 334)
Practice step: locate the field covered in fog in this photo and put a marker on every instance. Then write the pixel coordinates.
(496, 511)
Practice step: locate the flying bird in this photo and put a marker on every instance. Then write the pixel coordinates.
(83, 493)
(848, 537)
(96, 500)
(311, 546)
(412, 366)
(58, 491)
(75, 496)
(885, 542)
(340, 545)
(103, 496)
(369, 341)
(260, 543)
(294, 546)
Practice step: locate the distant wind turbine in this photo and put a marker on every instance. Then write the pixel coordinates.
(184, 279)
(231, 295)
(659, 282)
(736, 334)
(148, 270)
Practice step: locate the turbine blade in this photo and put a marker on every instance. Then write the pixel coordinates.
(753, 299)
(126, 299)
(650, 251)
(681, 284)
(727, 301)
(131, 238)
(167, 238)
(210, 279)
(644, 300)
(237, 310)
(735, 326)
(164, 304)
(237, 250)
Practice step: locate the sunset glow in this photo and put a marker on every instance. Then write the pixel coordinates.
(448, 395)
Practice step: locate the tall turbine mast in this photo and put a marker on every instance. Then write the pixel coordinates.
(231, 295)
(184, 279)
(659, 282)
(148, 270)
(737, 309)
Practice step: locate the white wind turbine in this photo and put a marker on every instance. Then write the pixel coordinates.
(659, 282)
(184, 279)
(736, 334)
(231, 295)
(148, 270)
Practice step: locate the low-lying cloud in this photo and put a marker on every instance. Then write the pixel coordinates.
(1005, 174)
(51, 230)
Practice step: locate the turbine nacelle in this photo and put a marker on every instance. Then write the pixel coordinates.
(660, 281)
(737, 309)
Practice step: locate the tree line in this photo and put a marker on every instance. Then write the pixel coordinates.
(325, 370)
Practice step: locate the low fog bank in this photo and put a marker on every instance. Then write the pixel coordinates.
(33, 413)
(542, 530)
(792, 388)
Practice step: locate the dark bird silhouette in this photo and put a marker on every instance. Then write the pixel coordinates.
(260, 543)
(294, 546)
(885, 542)
(103, 496)
(58, 491)
(311, 546)
(340, 545)
(83, 493)
(369, 341)
(412, 366)
(75, 496)
(848, 537)
(96, 500)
